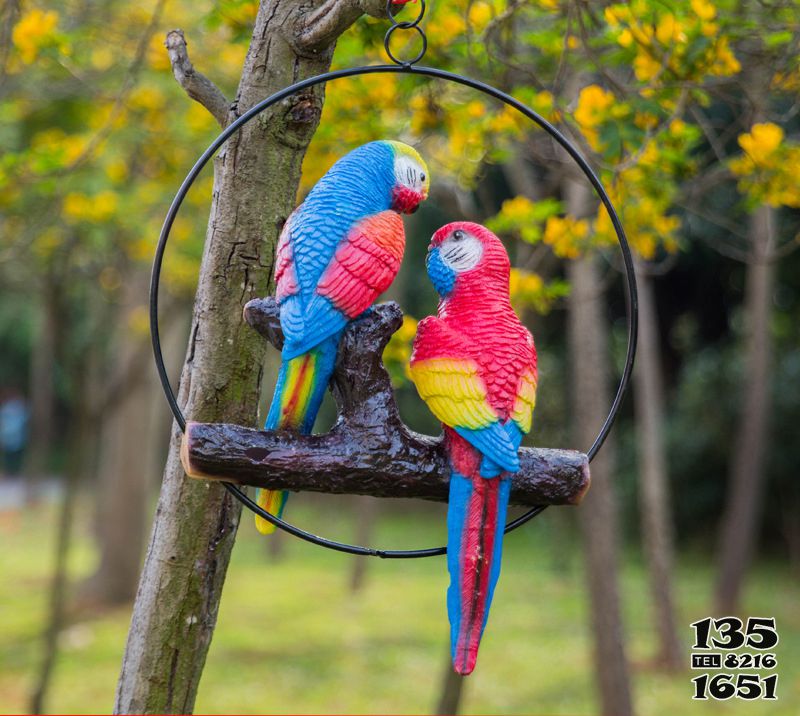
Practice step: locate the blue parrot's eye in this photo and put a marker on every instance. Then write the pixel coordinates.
(422, 177)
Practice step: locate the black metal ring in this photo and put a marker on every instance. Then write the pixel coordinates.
(404, 23)
(387, 44)
(630, 278)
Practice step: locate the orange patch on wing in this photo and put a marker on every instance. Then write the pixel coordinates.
(385, 230)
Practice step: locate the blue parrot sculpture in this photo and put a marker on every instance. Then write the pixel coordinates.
(338, 251)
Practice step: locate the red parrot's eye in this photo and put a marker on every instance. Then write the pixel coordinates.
(458, 235)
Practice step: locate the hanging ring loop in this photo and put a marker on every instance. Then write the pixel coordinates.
(387, 42)
(391, 4)
(632, 303)
(405, 25)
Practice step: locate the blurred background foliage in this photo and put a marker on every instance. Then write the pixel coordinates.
(687, 110)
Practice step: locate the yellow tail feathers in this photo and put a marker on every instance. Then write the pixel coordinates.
(272, 501)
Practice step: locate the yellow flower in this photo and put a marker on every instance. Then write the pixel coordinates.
(593, 104)
(725, 62)
(761, 141)
(146, 97)
(34, 31)
(198, 118)
(646, 67)
(80, 207)
(518, 208)
(566, 235)
(476, 109)
(480, 14)
(669, 30)
(625, 38)
(157, 56)
(703, 9)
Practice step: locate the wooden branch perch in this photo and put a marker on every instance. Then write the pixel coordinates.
(196, 85)
(370, 451)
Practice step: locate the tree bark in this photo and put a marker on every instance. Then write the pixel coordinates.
(42, 386)
(256, 176)
(589, 351)
(452, 685)
(79, 440)
(366, 460)
(125, 464)
(654, 499)
(740, 522)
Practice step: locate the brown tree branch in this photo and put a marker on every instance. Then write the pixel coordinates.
(370, 451)
(349, 461)
(333, 17)
(195, 84)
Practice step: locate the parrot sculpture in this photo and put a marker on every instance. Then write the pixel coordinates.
(338, 251)
(474, 365)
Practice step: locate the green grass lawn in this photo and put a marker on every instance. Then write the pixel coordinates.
(292, 638)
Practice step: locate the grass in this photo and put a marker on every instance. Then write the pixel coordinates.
(292, 638)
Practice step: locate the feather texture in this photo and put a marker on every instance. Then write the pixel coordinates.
(475, 367)
(338, 251)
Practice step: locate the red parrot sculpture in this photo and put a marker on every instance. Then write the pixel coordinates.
(474, 365)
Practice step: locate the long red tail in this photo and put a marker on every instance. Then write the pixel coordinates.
(475, 521)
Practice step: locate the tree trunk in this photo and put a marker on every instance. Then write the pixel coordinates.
(256, 176)
(123, 483)
(589, 351)
(79, 440)
(42, 387)
(452, 682)
(654, 499)
(366, 512)
(740, 522)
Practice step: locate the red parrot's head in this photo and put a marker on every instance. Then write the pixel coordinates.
(463, 253)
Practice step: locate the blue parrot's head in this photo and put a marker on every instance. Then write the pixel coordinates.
(411, 178)
(375, 177)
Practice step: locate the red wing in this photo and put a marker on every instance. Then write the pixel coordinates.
(365, 264)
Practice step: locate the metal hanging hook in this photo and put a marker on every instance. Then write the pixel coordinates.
(405, 25)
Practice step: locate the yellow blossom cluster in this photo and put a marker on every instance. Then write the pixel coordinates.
(567, 236)
(643, 205)
(528, 290)
(53, 148)
(523, 218)
(595, 107)
(682, 44)
(769, 167)
(78, 207)
(35, 31)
